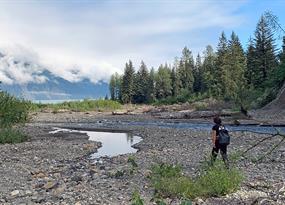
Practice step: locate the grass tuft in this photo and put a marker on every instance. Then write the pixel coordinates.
(11, 136)
(216, 180)
(136, 199)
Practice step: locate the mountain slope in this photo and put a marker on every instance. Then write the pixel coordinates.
(24, 78)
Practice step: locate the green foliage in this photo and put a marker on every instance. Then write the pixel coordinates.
(198, 74)
(128, 86)
(142, 94)
(81, 106)
(185, 69)
(163, 82)
(214, 181)
(12, 110)
(11, 136)
(264, 52)
(226, 74)
(186, 202)
(166, 170)
(218, 181)
(132, 161)
(134, 165)
(136, 199)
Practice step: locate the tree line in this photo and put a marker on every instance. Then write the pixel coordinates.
(229, 73)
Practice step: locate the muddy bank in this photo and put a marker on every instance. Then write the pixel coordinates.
(56, 169)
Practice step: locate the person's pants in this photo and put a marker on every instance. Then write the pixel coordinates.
(223, 150)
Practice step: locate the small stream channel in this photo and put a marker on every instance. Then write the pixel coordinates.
(266, 129)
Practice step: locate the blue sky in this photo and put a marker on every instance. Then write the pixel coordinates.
(96, 38)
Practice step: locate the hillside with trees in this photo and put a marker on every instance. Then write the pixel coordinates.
(249, 78)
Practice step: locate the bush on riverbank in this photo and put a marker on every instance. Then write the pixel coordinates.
(12, 110)
(11, 136)
(169, 181)
(81, 106)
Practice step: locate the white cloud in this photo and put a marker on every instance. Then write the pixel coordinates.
(94, 40)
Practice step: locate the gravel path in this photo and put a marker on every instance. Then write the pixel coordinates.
(56, 169)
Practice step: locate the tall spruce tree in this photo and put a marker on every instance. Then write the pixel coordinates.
(151, 85)
(198, 81)
(221, 72)
(235, 68)
(209, 68)
(250, 62)
(277, 79)
(142, 94)
(186, 67)
(265, 52)
(175, 78)
(115, 86)
(112, 86)
(163, 82)
(128, 86)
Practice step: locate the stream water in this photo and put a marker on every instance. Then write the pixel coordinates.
(113, 143)
(208, 126)
(116, 143)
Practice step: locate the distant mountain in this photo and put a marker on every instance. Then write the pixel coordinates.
(34, 82)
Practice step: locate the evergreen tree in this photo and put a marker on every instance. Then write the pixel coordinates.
(236, 66)
(142, 94)
(250, 62)
(282, 54)
(118, 87)
(277, 79)
(173, 80)
(112, 87)
(128, 83)
(197, 87)
(208, 74)
(265, 57)
(115, 86)
(220, 75)
(186, 67)
(163, 82)
(151, 85)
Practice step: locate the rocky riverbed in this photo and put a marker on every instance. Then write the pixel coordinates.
(56, 169)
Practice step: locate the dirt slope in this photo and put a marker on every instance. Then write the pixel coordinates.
(279, 102)
(273, 112)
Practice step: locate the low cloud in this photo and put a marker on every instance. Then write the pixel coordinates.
(93, 40)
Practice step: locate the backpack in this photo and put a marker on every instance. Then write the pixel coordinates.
(224, 137)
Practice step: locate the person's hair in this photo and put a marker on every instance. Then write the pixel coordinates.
(217, 120)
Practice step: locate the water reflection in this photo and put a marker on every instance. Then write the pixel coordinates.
(130, 138)
(113, 143)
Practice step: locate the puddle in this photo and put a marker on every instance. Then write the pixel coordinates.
(113, 143)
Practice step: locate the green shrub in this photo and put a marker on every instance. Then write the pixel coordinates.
(8, 135)
(12, 110)
(214, 181)
(218, 181)
(136, 199)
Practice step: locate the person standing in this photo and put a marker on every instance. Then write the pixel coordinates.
(217, 129)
